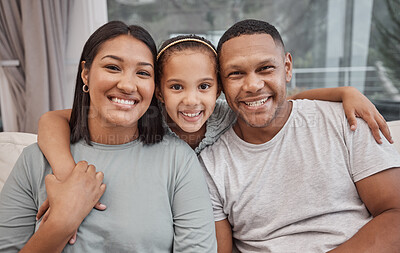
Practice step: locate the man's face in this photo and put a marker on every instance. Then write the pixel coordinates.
(254, 73)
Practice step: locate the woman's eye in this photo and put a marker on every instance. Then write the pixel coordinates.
(204, 86)
(113, 67)
(176, 87)
(144, 73)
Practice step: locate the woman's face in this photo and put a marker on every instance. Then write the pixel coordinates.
(121, 83)
(189, 89)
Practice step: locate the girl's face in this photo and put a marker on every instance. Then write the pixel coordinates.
(121, 84)
(189, 89)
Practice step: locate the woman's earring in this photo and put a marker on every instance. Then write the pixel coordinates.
(85, 88)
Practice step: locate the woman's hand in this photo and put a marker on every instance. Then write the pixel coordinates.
(72, 199)
(355, 104)
(44, 211)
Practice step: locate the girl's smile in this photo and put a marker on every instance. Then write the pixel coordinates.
(189, 89)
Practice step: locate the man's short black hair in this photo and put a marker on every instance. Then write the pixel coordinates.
(249, 27)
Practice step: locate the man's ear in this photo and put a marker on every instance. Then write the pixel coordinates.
(84, 73)
(288, 66)
(159, 95)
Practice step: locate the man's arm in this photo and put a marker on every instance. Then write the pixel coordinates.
(355, 104)
(224, 236)
(381, 195)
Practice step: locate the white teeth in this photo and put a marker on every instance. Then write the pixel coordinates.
(123, 101)
(191, 114)
(256, 103)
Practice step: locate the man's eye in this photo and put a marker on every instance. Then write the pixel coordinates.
(176, 87)
(113, 67)
(266, 68)
(204, 86)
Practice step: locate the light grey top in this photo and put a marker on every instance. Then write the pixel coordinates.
(156, 197)
(219, 122)
(296, 192)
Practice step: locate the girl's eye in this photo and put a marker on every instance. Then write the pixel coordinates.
(144, 73)
(113, 67)
(204, 86)
(176, 87)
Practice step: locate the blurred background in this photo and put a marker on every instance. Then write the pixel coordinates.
(333, 43)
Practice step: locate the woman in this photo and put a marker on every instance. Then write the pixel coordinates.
(158, 200)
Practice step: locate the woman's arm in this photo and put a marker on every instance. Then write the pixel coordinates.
(71, 200)
(355, 104)
(54, 141)
(68, 210)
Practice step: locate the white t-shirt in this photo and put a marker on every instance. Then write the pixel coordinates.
(296, 192)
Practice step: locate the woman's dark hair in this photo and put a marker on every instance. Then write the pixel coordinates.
(149, 125)
(168, 48)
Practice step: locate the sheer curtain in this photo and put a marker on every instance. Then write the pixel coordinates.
(33, 32)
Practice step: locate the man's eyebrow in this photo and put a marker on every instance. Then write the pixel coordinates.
(233, 66)
(269, 60)
(122, 60)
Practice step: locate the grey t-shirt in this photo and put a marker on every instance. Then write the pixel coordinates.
(296, 192)
(156, 197)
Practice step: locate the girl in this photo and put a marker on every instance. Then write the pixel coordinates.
(158, 200)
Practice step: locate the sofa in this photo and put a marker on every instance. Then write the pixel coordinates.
(12, 144)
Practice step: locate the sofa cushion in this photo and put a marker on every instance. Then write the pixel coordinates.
(11, 146)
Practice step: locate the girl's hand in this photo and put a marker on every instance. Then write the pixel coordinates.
(355, 104)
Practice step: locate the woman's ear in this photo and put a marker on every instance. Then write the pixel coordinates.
(159, 95)
(84, 73)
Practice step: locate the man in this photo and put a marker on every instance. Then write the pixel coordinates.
(291, 176)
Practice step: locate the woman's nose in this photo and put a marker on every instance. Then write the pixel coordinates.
(127, 84)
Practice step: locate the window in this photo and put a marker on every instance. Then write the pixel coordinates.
(333, 42)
